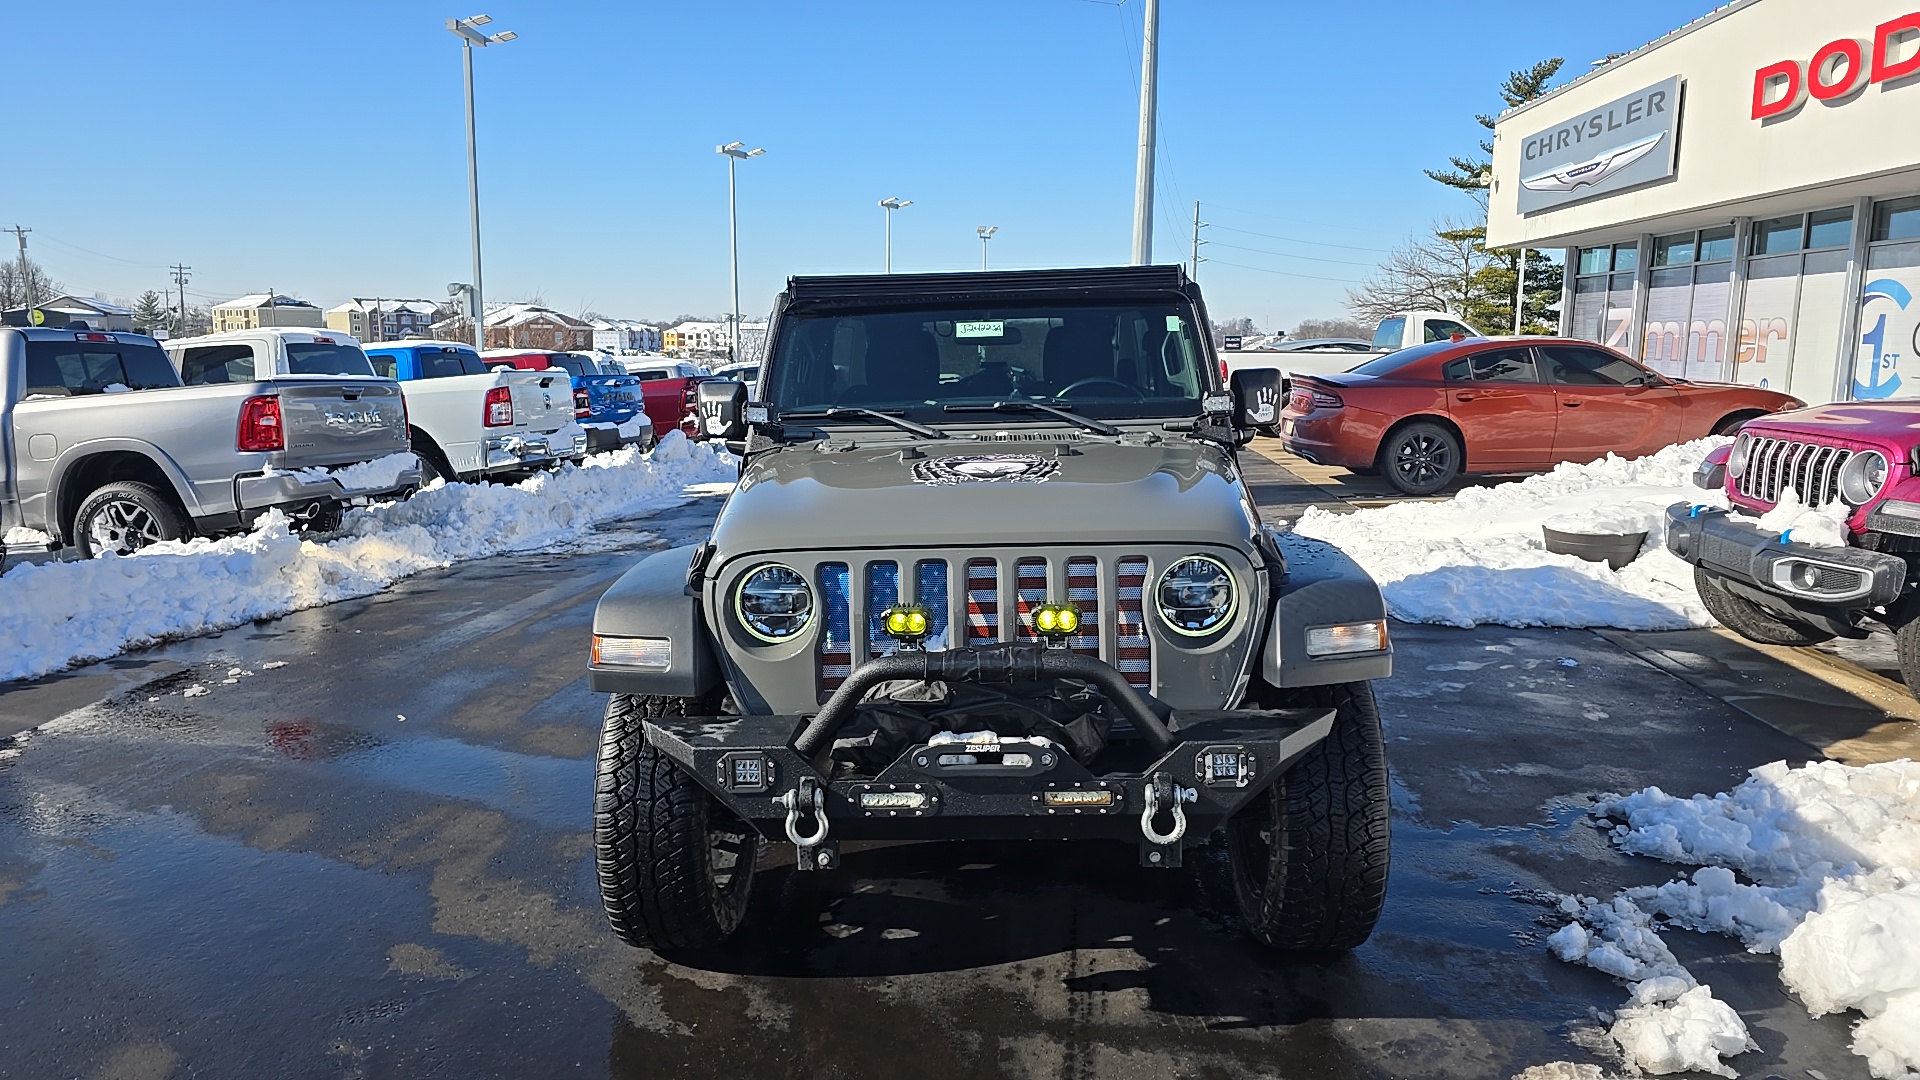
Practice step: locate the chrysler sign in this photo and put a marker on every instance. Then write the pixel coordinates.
(1619, 145)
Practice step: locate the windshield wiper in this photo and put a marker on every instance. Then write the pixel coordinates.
(1073, 418)
(839, 413)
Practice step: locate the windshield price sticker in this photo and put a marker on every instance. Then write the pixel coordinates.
(1173, 324)
(979, 329)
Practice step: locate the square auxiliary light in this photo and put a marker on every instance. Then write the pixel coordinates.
(907, 623)
(1346, 638)
(650, 654)
(1056, 620)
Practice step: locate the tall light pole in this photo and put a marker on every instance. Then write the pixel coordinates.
(986, 233)
(735, 151)
(890, 205)
(1143, 168)
(468, 31)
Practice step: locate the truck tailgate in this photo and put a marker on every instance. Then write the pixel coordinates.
(340, 421)
(542, 400)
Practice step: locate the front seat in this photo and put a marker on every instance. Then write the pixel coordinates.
(903, 365)
(1076, 351)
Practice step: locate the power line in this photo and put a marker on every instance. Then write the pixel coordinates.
(1310, 243)
(1301, 221)
(1288, 255)
(1283, 273)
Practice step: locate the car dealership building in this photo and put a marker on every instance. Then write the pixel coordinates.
(1739, 200)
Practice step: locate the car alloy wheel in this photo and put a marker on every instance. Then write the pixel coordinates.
(123, 526)
(1423, 458)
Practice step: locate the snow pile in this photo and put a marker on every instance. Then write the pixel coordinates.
(54, 615)
(1672, 1023)
(1480, 556)
(22, 537)
(1820, 864)
(380, 474)
(1795, 521)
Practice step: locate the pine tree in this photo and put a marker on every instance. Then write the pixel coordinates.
(150, 312)
(1489, 304)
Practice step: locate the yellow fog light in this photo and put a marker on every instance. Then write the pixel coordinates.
(1057, 619)
(907, 624)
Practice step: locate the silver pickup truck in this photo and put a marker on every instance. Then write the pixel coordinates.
(102, 448)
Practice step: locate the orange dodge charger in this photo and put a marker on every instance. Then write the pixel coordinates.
(1425, 415)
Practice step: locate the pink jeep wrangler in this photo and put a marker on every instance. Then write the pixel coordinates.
(1771, 589)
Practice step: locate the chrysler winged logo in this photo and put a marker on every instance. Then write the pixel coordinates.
(986, 468)
(1595, 170)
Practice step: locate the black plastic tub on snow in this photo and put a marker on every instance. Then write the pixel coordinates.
(1614, 549)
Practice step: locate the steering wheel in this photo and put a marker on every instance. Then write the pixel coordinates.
(1102, 381)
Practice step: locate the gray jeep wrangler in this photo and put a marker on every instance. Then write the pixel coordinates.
(992, 571)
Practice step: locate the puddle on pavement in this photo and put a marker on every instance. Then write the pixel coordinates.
(553, 792)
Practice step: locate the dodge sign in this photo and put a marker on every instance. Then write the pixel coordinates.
(1617, 146)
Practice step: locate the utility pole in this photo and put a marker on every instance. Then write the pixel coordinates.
(26, 279)
(1520, 296)
(1193, 270)
(1143, 170)
(180, 278)
(986, 233)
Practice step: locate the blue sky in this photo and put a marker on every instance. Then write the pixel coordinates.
(318, 149)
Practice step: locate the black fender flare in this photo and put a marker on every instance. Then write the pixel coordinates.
(1323, 587)
(654, 600)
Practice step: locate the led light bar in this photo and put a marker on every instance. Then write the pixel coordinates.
(1077, 797)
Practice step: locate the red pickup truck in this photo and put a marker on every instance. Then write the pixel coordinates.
(666, 387)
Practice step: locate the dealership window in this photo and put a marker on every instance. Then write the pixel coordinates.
(1603, 293)
(1686, 335)
(1890, 304)
(1795, 296)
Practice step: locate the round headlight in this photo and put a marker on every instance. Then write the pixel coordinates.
(1737, 461)
(1862, 477)
(774, 602)
(1196, 595)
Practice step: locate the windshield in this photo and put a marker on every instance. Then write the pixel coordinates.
(572, 365)
(1106, 361)
(318, 358)
(1390, 334)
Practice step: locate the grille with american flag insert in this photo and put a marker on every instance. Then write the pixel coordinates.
(1031, 575)
(983, 601)
(854, 597)
(1133, 652)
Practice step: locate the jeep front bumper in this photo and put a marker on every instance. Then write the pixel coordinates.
(1846, 578)
(1195, 769)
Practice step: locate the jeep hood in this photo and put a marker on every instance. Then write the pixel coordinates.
(985, 494)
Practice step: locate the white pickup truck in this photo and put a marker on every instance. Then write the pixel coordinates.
(1397, 331)
(464, 422)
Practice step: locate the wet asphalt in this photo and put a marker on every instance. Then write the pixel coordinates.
(373, 861)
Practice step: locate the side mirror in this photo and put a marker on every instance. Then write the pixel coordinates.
(1256, 399)
(721, 405)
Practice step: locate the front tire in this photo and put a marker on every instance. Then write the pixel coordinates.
(124, 517)
(1309, 858)
(1753, 622)
(675, 866)
(1421, 458)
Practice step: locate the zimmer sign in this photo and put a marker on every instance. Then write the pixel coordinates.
(1619, 145)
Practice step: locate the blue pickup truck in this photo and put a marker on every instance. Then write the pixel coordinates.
(608, 406)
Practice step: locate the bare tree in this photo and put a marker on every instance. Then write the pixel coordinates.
(16, 288)
(1439, 272)
(1331, 328)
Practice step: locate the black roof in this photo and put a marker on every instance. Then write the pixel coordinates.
(986, 285)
